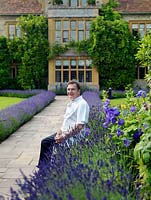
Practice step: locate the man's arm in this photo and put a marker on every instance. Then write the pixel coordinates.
(74, 131)
(60, 137)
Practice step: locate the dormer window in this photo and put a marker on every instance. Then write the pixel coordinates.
(73, 3)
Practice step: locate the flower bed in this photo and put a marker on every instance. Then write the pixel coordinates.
(14, 116)
(91, 169)
(20, 93)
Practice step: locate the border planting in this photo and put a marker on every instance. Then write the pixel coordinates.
(13, 117)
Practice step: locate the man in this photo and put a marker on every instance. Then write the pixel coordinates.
(75, 119)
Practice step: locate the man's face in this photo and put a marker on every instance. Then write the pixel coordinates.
(72, 91)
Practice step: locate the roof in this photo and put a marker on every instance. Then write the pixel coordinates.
(134, 6)
(15, 7)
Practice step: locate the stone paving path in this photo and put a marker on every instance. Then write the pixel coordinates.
(21, 150)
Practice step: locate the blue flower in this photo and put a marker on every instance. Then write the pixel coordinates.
(87, 131)
(121, 122)
(136, 136)
(107, 103)
(119, 132)
(105, 124)
(126, 142)
(113, 120)
(141, 93)
(145, 125)
(132, 109)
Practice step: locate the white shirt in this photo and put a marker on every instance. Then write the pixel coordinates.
(77, 112)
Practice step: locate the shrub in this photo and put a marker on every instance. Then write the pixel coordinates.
(20, 93)
(13, 117)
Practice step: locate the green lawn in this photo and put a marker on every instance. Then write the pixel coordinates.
(8, 101)
(116, 102)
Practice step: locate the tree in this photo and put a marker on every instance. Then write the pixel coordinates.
(4, 64)
(144, 55)
(112, 48)
(35, 47)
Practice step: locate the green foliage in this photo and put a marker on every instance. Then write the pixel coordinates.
(35, 46)
(91, 2)
(57, 2)
(136, 131)
(15, 49)
(144, 55)
(108, 12)
(112, 50)
(4, 63)
(144, 51)
(57, 49)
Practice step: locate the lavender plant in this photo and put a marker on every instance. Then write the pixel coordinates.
(14, 116)
(20, 93)
(87, 170)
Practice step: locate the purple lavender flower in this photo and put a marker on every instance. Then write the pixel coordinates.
(105, 124)
(145, 125)
(126, 142)
(141, 93)
(133, 109)
(121, 122)
(113, 120)
(119, 132)
(116, 111)
(137, 134)
(87, 131)
(107, 103)
(140, 131)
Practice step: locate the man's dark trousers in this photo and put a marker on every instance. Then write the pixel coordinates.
(46, 149)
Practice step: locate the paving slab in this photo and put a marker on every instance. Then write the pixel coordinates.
(21, 150)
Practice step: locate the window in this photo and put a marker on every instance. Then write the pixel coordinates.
(13, 31)
(65, 76)
(83, 2)
(140, 28)
(68, 69)
(58, 76)
(71, 30)
(58, 64)
(81, 76)
(73, 3)
(148, 27)
(73, 25)
(81, 64)
(64, 2)
(73, 64)
(73, 75)
(58, 25)
(89, 76)
(65, 36)
(135, 29)
(65, 64)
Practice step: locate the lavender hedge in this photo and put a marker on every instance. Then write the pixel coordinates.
(88, 170)
(20, 93)
(13, 117)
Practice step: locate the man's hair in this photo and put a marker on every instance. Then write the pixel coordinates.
(74, 82)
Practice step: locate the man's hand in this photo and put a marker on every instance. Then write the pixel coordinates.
(60, 137)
